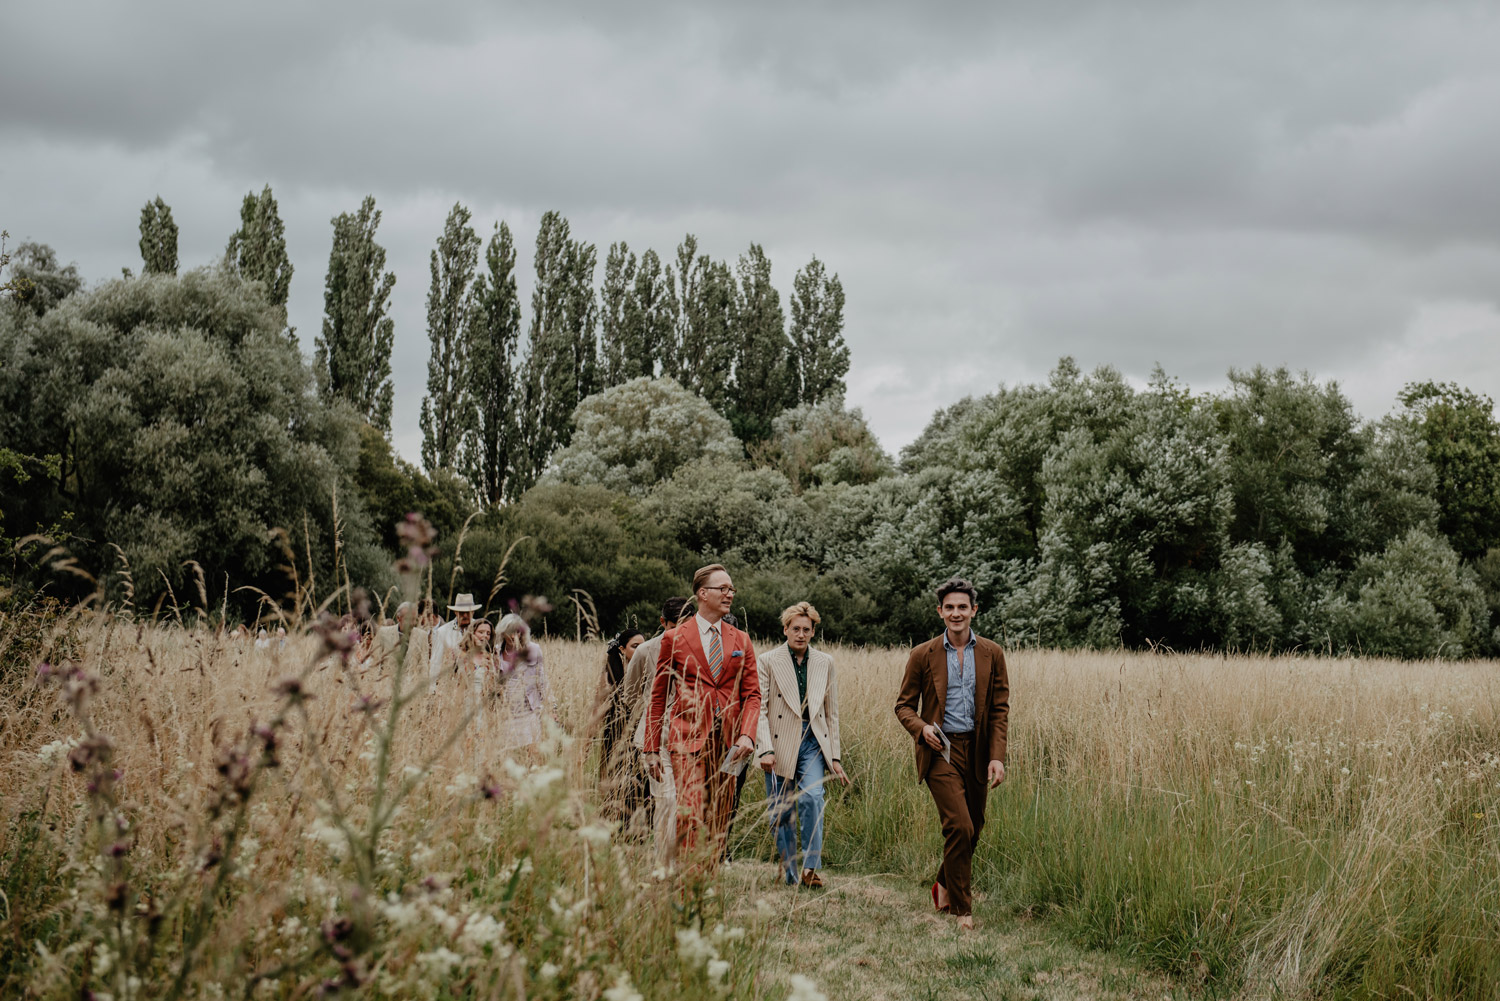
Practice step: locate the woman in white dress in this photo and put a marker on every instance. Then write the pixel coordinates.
(526, 694)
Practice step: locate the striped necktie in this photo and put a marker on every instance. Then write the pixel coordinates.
(715, 652)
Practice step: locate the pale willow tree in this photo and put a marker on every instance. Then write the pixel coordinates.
(257, 250)
(493, 384)
(823, 444)
(158, 238)
(632, 436)
(353, 355)
(446, 410)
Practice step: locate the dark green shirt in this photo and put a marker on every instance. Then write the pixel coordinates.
(800, 667)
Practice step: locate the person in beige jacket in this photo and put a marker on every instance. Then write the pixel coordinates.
(799, 740)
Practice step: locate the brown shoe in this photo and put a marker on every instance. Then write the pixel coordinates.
(811, 878)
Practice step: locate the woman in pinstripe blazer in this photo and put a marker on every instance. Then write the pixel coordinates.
(799, 740)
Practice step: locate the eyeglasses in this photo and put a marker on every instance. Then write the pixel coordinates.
(724, 589)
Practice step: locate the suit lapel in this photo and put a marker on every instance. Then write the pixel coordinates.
(981, 683)
(693, 649)
(937, 666)
(817, 680)
(782, 670)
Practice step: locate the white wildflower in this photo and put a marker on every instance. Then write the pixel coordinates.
(722, 934)
(520, 867)
(597, 833)
(50, 754)
(1344, 770)
(441, 918)
(440, 960)
(803, 989)
(412, 772)
(290, 927)
(717, 968)
(623, 990)
(329, 836)
(104, 960)
(399, 913)
(462, 783)
(548, 971)
(482, 930)
(693, 949)
(537, 783)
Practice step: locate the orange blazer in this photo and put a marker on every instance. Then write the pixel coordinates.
(683, 664)
(924, 694)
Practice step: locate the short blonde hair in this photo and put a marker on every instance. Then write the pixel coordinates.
(700, 579)
(801, 608)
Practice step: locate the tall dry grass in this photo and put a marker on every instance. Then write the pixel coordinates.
(1279, 827)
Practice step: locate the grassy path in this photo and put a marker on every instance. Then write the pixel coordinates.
(878, 938)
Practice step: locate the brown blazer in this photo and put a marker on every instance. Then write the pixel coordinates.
(924, 690)
(682, 668)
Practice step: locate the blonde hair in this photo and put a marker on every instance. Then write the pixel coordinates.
(512, 624)
(799, 609)
(700, 579)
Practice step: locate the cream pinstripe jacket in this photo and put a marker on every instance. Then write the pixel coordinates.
(780, 730)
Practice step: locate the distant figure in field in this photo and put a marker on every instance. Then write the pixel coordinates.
(622, 785)
(640, 673)
(262, 639)
(447, 637)
(799, 741)
(955, 702)
(711, 668)
(526, 695)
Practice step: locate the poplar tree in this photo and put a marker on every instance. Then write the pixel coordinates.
(760, 344)
(704, 353)
(257, 250)
(820, 358)
(614, 299)
(651, 319)
(353, 354)
(562, 351)
(445, 409)
(494, 327)
(158, 238)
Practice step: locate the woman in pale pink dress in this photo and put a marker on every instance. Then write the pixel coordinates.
(526, 695)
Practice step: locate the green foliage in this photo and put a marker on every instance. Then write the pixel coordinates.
(823, 444)
(820, 358)
(46, 283)
(634, 435)
(390, 488)
(1463, 446)
(705, 348)
(186, 430)
(353, 358)
(257, 250)
(158, 238)
(763, 381)
(562, 359)
(638, 316)
(492, 447)
(447, 416)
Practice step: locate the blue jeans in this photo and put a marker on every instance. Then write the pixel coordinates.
(804, 790)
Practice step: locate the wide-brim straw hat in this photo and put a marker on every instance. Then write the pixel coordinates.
(464, 603)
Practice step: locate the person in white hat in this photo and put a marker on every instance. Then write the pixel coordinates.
(449, 635)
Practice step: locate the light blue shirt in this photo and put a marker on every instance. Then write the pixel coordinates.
(958, 707)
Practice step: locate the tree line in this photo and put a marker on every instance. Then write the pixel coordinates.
(173, 416)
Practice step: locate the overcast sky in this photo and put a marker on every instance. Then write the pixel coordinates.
(1200, 185)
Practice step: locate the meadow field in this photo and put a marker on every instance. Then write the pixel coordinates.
(183, 816)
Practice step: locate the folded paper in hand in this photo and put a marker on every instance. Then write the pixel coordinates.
(947, 744)
(732, 765)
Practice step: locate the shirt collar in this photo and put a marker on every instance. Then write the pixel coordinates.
(704, 626)
(806, 654)
(967, 646)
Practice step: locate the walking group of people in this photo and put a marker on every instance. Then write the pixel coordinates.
(685, 712)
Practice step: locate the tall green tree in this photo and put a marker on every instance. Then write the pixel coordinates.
(257, 250)
(158, 238)
(494, 328)
(45, 282)
(353, 355)
(562, 365)
(1463, 446)
(820, 358)
(614, 302)
(704, 352)
(652, 317)
(446, 412)
(761, 349)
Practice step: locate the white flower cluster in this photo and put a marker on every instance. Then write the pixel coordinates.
(532, 783)
(695, 950)
(803, 989)
(623, 990)
(328, 835)
(51, 754)
(463, 783)
(597, 833)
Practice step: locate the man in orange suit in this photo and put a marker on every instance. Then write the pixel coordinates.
(955, 702)
(711, 666)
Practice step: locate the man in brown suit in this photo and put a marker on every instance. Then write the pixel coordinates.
(955, 687)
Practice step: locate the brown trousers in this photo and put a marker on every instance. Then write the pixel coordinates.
(959, 790)
(705, 798)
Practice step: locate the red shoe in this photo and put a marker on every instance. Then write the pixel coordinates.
(938, 907)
